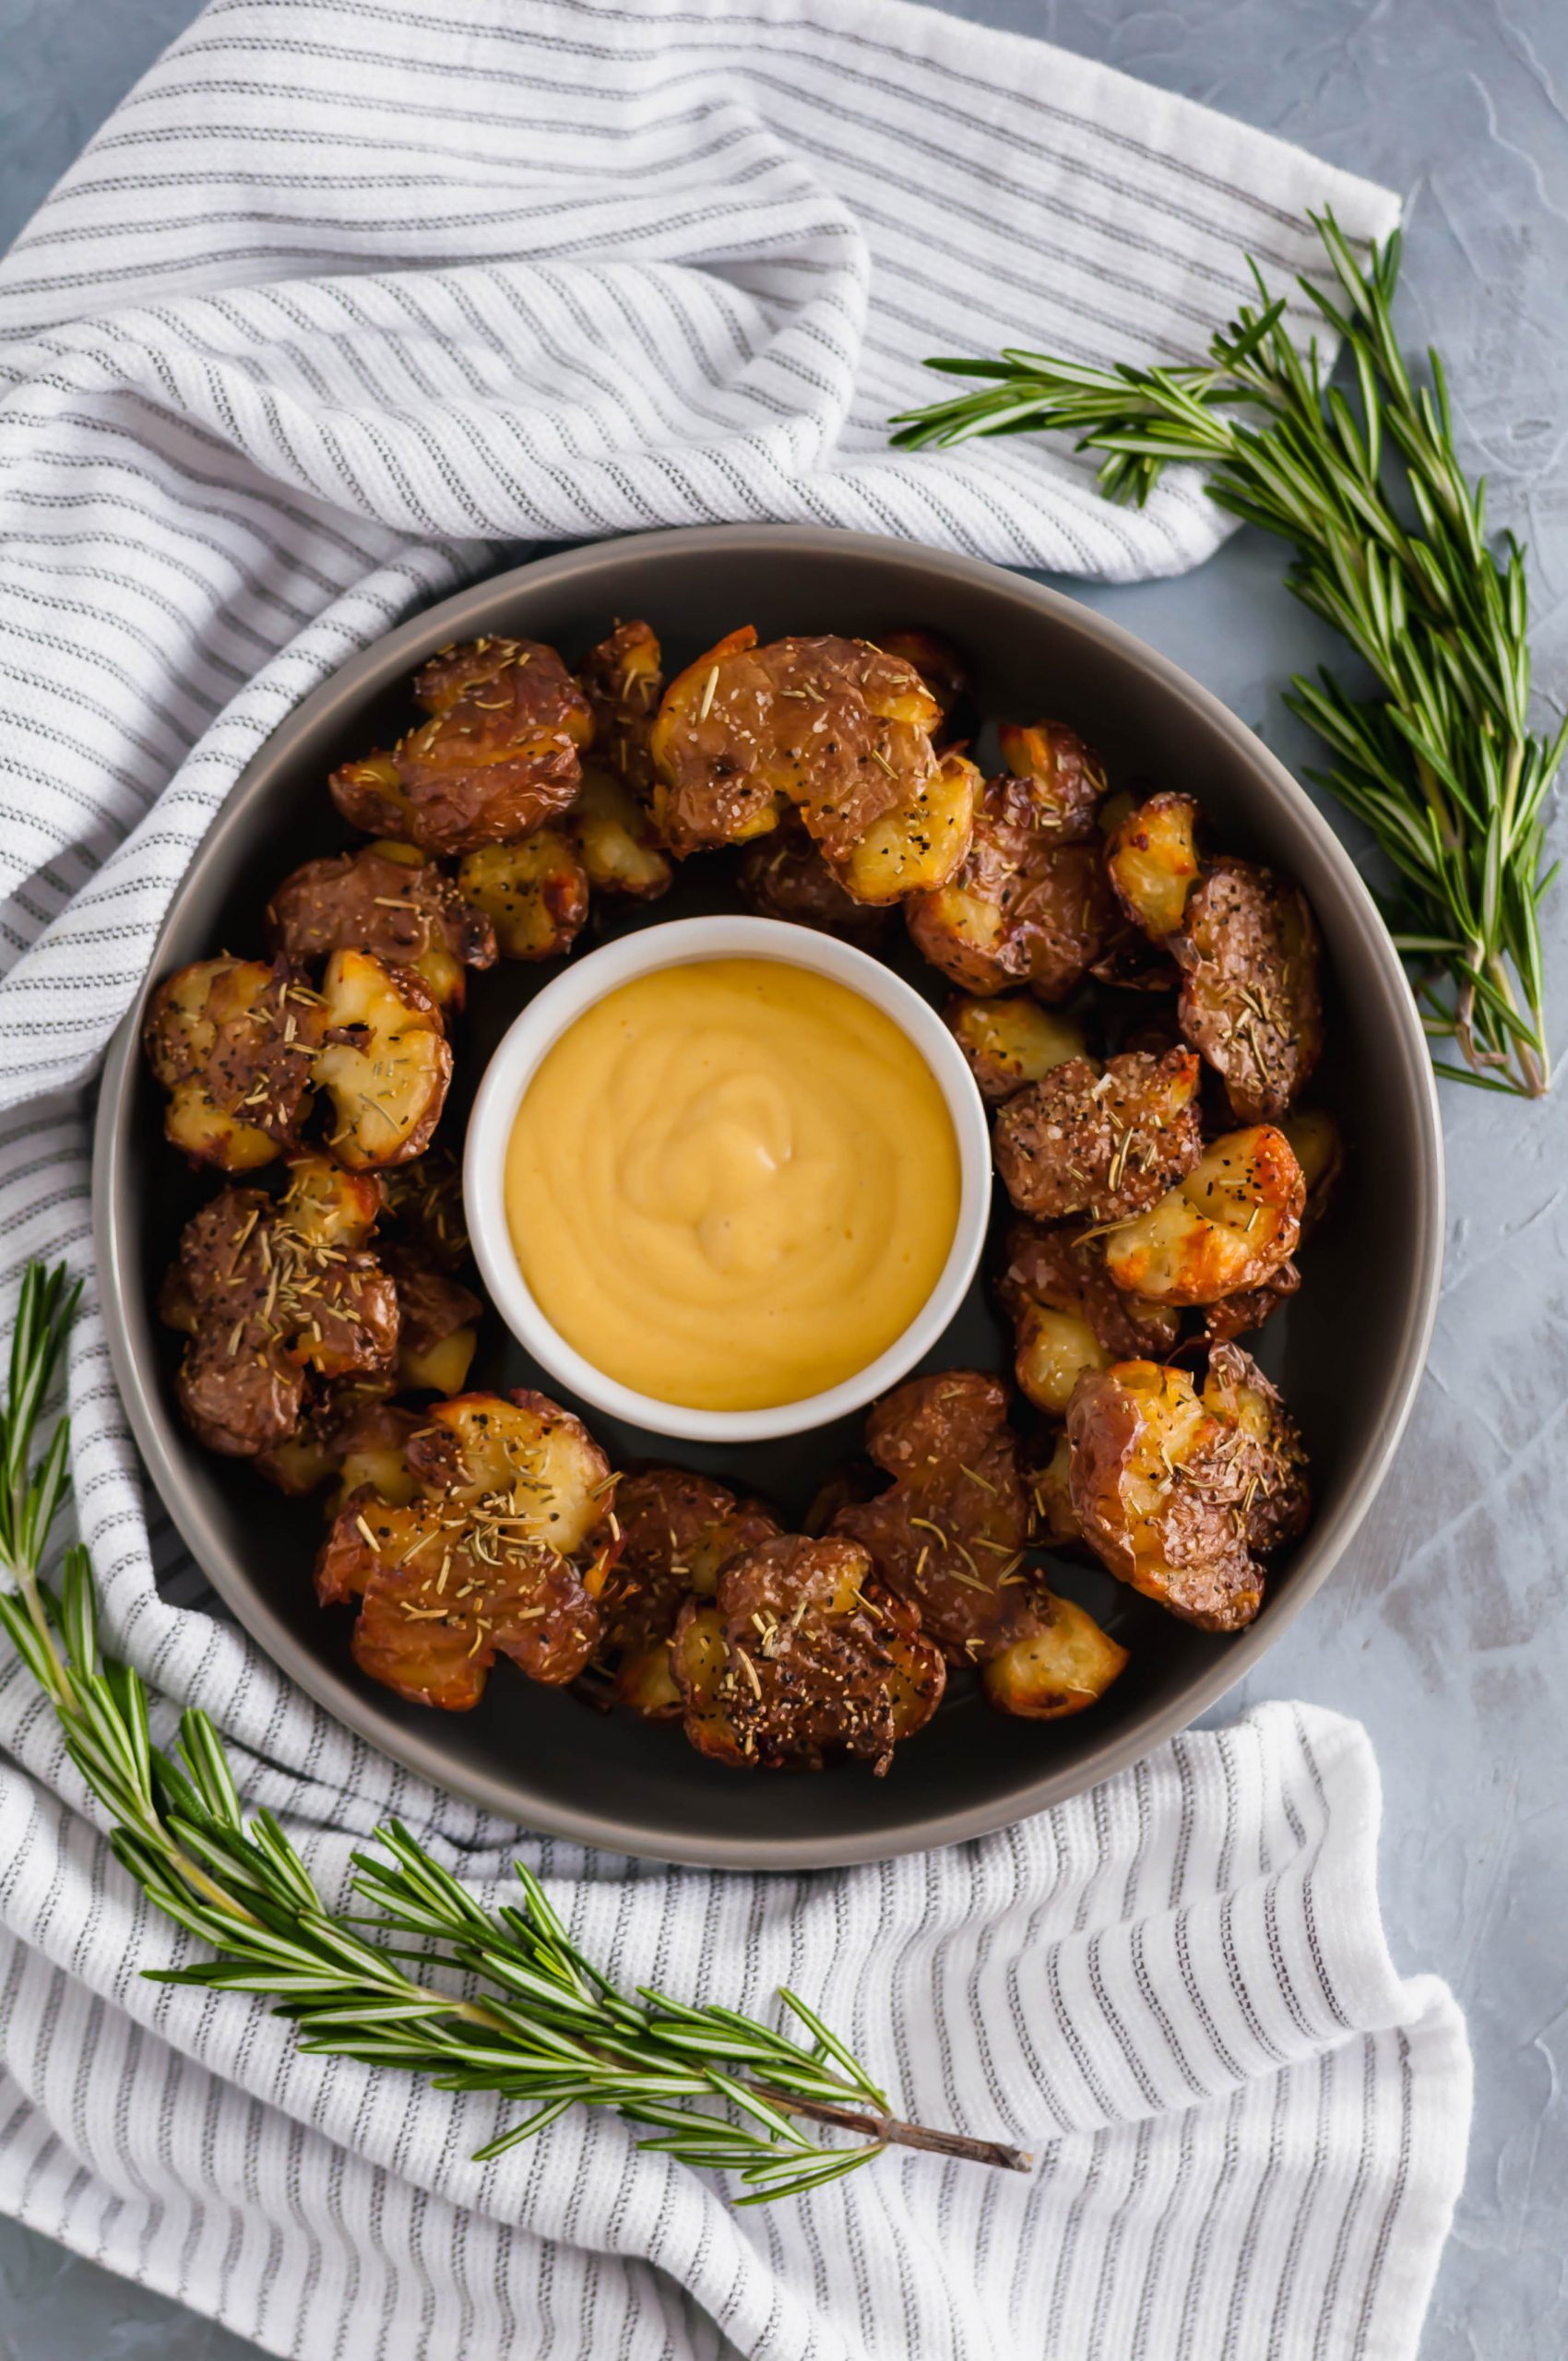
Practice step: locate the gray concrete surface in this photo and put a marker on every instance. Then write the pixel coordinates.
(1445, 1632)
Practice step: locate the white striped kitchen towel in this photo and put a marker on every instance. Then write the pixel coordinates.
(347, 294)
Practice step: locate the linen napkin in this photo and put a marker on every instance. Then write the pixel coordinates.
(346, 296)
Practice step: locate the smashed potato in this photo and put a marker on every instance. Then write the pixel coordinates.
(534, 894)
(351, 1440)
(829, 725)
(1062, 1666)
(678, 1530)
(501, 1552)
(438, 1322)
(1239, 1314)
(1230, 1223)
(270, 1294)
(1271, 1462)
(1107, 1144)
(1251, 1001)
(784, 876)
(1067, 779)
(499, 756)
(1068, 1315)
(233, 1041)
(1318, 1146)
(388, 900)
(799, 1657)
(623, 680)
(918, 846)
(386, 1063)
(1152, 861)
(941, 666)
(1027, 906)
(1010, 1041)
(616, 840)
(1047, 1477)
(1159, 1486)
(422, 1205)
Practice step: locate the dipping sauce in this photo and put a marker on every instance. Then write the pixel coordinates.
(733, 1184)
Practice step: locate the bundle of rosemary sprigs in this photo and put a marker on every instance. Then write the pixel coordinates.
(425, 1978)
(1391, 550)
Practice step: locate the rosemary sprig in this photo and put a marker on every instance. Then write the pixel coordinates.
(1391, 551)
(476, 2000)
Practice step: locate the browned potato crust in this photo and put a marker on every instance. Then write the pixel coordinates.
(388, 900)
(919, 845)
(623, 680)
(1239, 1314)
(1047, 1466)
(678, 1530)
(348, 1436)
(1105, 1145)
(1069, 1314)
(784, 876)
(950, 1534)
(386, 1063)
(1276, 1498)
(1248, 952)
(1027, 906)
(1066, 777)
(272, 1294)
(940, 665)
(799, 1657)
(830, 725)
(1229, 1224)
(1153, 862)
(499, 756)
(1066, 1663)
(852, 1479)
(502, 1552)
(1010, 1041)
(534, 894)
(233, 1041)
(1158, 1490)
(438, 1324)
(424, 1207)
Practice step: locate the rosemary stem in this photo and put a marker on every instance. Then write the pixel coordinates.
(891, 2131)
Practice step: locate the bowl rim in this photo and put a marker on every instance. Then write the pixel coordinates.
(551, 1013)
(379, 665)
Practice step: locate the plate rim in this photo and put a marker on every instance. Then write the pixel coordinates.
(558, 1817)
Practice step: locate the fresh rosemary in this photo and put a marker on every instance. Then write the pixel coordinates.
(522, 2012)
(1391, 551)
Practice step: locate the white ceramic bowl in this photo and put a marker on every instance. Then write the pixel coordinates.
(546, 1017)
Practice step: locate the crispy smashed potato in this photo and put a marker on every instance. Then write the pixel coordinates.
(233, 1041)
(351, 1440)
(623, 680)
(1249, 1307)
(784, 876)
(1318, 1145)
(1275, 1497)
(1229, 1224)
(272, 1294)
(1153, 862)
(535, 893)
(1068, 1315)
(678, 1530)
(1010, 1041)
(921, 843)
(388, 900)
(616, 840)
(1066, 777)
(424, 1207)
(499, 756)
(831, 725)
(1046, 1467)
(438, 1322)
(1066, 1663)
(1251, 1001)
(799, 1657)
(1107, 1144)
(940, 665)
(1027, 906)
(502, 1552)
(386, 1063)
(1159, 1491)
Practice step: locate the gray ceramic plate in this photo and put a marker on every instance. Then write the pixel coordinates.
(1349, 1351)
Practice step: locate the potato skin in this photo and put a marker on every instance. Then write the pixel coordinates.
(234, 1042)
(1027, 906)
(404, 912)
(1271, 1461)
(1249, 1307)
(1066, 777)
(499, 756)
(784, 876)
(1102, 1144)
(830, 725)
(1069, 1315)
(941, 667)
(800, 1658)
(1157, 1488)
(678, 1530)
(919, 845)
(623, 680)
(1229, 1225)
(950, 1533)
(535, 894)
(1010, 1041)
(1065, 1665)
(1251, 1001)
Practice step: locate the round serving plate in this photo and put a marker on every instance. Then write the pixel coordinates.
(1349, 1350)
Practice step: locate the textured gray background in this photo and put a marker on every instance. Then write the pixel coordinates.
(1443, 1633)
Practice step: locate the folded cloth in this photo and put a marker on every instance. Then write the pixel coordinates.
(347, 294)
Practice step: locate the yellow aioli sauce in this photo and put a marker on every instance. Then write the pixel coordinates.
(732, 1183)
